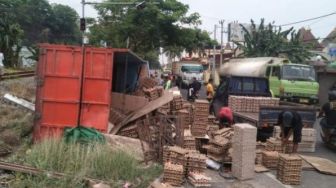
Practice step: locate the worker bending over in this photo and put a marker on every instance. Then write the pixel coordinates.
(290, 123)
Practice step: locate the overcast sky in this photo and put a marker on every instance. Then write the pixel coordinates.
(280, 11)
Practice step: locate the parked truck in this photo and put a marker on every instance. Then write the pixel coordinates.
(249, 80)
(185, 71)
(287, 81)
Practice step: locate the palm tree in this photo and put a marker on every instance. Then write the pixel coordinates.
(271, 41)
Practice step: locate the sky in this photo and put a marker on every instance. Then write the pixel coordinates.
(279, 11)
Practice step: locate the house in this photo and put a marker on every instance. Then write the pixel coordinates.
(307, 37)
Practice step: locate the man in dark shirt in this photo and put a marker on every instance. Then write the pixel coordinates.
(290, 123)
(329, 110)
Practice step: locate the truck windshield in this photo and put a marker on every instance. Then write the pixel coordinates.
(297, 72)
(191, 68)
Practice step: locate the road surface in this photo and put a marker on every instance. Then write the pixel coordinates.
(309, 179)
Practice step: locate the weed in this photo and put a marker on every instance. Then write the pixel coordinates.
(96, 161)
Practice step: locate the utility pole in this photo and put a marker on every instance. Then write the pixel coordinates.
(221, 22)
(214, 53)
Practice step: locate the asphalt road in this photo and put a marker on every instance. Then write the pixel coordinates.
(309, 179)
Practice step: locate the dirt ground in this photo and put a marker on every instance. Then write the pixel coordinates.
(15, 122)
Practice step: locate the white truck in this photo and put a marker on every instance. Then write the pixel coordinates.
(185, 71)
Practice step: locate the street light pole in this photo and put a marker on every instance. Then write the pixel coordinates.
(83, 18)
(214, 53)
(221, 49)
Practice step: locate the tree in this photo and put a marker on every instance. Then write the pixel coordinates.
(29, 22)
(64, 28)
(162, 25)
(10, 36)
(271, 41)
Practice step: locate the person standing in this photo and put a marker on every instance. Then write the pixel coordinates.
(291, 124)
(329, 111)
(168, 83)
(210, 92)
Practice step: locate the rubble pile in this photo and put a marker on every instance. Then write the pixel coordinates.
(116, 116)
(173, 174)
(308, 140)
(189, 143)
(219, 145)
(250, 104)
(273, 144)
(289, 169)
(212, 124)
(244, 151)
(184, 114)
(177, 103)
(199, 127)
(147, 83)
(270, 159)
(129, 131)
(149, 88)
(260, 148)
(199, 179)
(196, 162)
(151, 93)
(175, 155)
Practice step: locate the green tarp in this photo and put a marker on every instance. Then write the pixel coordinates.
(83, 135)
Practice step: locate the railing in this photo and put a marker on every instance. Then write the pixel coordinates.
(14, 75)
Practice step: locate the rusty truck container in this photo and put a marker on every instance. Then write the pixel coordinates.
(75, 84)
(61, 83)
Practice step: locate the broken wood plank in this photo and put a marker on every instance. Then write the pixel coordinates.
(260, 169)
(35, 171)
(324, 166)
(127, 103)
(151, 106)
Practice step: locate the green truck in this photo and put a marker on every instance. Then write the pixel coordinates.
(287, 81)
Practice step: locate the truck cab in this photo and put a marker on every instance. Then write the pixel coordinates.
(241, 86)
(293, 82)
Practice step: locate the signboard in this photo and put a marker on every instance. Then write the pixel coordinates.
(236, 32)
(332, 52)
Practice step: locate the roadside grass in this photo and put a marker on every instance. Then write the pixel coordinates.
(95, 161)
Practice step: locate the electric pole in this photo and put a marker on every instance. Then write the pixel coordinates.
(214, 53)
(221, 22)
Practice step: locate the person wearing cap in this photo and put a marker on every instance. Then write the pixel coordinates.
(290, 123)
(225, 117)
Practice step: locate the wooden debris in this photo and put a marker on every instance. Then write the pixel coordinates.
(199, 127)
(189, 142)
(324, 166)
(147, 83)
(273, 144)
(199, 179)
(260, 168)
(129, 131)
(177, 103)
(116, 116)
(289, 169)
(270, 159)
(250, 104)
(173, 174)
(196, 162)
(308, 139)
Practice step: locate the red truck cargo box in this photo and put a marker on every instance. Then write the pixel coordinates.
(59, 86)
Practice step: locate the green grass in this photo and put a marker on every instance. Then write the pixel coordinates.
(96, 161)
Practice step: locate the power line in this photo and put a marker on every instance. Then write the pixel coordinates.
(309, 19)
